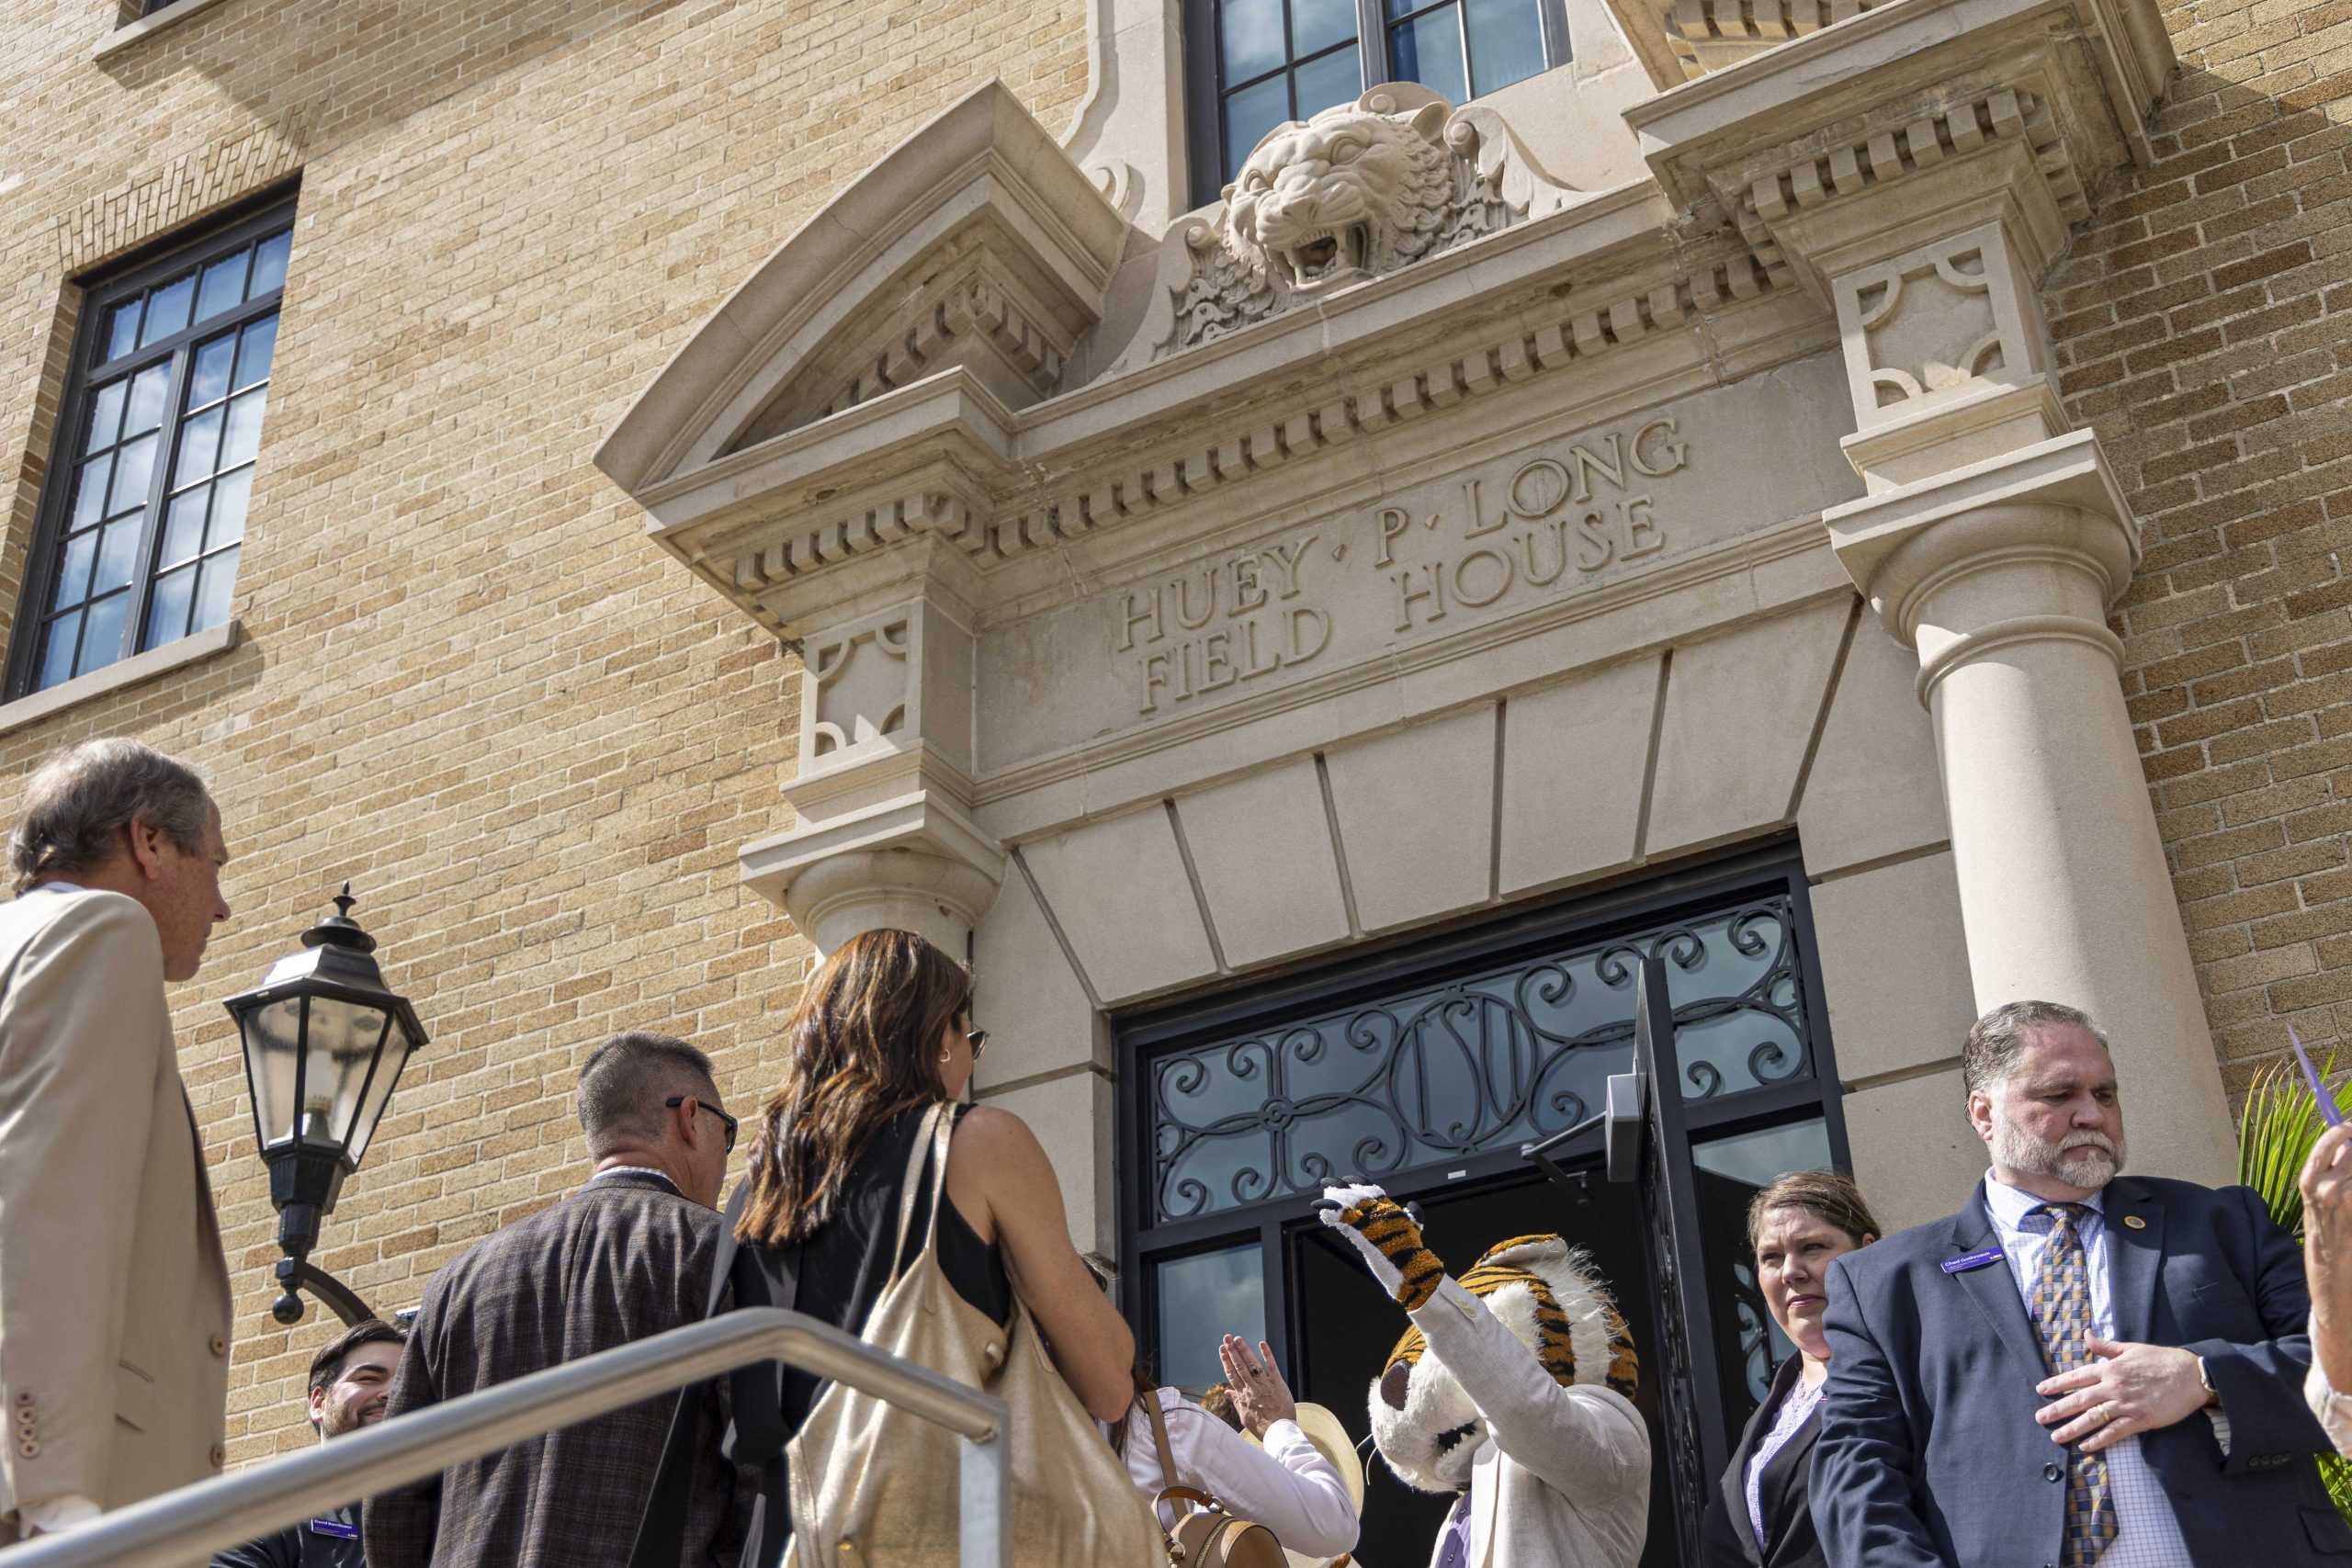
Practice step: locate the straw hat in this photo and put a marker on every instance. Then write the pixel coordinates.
(1330, 1435)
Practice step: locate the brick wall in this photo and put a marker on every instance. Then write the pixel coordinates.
(470, 684)
(2201, 327)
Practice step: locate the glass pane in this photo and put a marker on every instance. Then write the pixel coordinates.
(269, 264)
(1731, 1171)
(270, 1036)
(106, 415)
(73, 570)
(1487, 1059)
(1318, 24)
(1335, 78)
(379, 1093)
(1248, 115)
(1428, 50)
(90, 491)
(102, 635)
(122, 329)
(167, 310)
(1506, 42)
(209, 378)
(216, 580)
(1249, 38)
(245, 428)
(200, 445)
(1202, 1299)
(229, 494)
(117, 553)
(57, 658)
(132, 467)
(147, 389)
(167, 609)
(184, 526)
(341, 1047)
(222, 288)
(253, 360)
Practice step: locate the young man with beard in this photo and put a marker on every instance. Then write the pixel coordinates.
(350, 1381)
(2079, 1367)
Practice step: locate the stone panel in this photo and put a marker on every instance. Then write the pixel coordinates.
(1894, 963)
(1573, 760)
(1025, 995)
(1118, 890)
(1914, 1154)
(1262, 844)
(1416, 819)
(1874, 789)
(1740, 711)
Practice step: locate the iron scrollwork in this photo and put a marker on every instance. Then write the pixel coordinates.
(1474, 1064)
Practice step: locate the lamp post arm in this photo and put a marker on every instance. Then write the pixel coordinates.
(296, 1274)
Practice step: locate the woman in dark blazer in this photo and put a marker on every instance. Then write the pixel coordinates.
(1760, 1516)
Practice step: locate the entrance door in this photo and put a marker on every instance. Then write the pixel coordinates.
(1345, 1329)
(1425, 1066)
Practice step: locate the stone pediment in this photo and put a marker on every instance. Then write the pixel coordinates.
(974, 245)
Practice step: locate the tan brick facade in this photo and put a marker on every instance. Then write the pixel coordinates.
(468, 682)
(2202, 328)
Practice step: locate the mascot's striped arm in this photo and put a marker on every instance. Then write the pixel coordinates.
(1394, 1234)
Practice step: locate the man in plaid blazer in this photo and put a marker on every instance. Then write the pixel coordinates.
(628, 1256)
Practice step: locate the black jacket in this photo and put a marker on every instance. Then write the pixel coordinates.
(331, 1540)
(1786, 1492)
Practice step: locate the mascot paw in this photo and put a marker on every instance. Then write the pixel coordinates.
(1387, 1237)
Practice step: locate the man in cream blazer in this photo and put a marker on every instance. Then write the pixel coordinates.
(114, 1296)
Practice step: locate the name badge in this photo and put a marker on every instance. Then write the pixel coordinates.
(334, 1528)
(1973, 1260)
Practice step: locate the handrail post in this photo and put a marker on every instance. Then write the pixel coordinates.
(984, 1523)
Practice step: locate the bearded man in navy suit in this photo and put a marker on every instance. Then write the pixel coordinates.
(2079, 1367)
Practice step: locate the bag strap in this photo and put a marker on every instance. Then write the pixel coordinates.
(930, 1142)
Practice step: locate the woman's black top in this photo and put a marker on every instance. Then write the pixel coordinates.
(1727, 1539)
(840, 1272)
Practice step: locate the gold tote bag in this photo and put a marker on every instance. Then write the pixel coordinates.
(873, 1486)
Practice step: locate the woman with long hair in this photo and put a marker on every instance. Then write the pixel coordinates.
(838, 1204)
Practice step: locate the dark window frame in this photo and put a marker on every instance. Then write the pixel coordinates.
(102, 291)
(1775, 867)
(1204, 91)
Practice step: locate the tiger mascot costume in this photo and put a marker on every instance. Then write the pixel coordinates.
(1511, 1388)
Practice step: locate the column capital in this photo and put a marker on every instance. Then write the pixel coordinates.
(2034, 542)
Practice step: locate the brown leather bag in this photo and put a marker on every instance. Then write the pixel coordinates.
(1209, 1538)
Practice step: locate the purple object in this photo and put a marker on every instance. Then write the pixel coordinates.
(2327, 1106)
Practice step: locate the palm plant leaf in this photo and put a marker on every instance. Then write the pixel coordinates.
(2280, 1124)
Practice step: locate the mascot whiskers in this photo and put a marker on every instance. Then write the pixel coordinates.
(1511, 1389)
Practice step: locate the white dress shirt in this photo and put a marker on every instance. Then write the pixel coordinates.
(1287, 1485)
(2333, 1409)
(2147, 1533)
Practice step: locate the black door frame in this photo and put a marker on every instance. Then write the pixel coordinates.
(1369, 971)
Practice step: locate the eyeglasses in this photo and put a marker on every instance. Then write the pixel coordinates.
(675, 1100)
(979, 1039)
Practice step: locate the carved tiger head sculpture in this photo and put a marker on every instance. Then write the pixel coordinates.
(1360, 188)
(1548, 1294)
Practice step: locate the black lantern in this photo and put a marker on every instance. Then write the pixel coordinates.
(325, 1039)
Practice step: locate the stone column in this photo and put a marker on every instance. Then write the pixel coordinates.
(884, 836)
(1992, 542)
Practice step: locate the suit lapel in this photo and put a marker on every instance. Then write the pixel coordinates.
(1990, 1285)
(1794, 1460)
(2134, 1257)
(1735, 1477)
(1486, 1485)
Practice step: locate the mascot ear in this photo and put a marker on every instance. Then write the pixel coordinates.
(1533, 1253)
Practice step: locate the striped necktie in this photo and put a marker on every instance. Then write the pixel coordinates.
(2062, 1317)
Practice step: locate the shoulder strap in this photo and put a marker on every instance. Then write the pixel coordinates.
(931, 1140)
(1168, 1476)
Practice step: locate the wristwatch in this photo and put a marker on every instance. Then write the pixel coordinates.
(2212, 1394)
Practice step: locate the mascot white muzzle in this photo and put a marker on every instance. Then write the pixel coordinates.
(1512, 1388)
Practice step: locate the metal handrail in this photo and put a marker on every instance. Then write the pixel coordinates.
(194, 1522)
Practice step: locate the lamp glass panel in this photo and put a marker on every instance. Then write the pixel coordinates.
(273, 1042)
(341, 1048)
(397, 1046)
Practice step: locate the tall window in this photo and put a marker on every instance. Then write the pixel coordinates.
(1256, 63)
(145, 508)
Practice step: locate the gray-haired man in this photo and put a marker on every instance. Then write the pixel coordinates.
(114, 1298)
(628, 1256)
(2080, 1366)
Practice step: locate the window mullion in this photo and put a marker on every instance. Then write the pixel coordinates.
(159, 487)
(1372, 54)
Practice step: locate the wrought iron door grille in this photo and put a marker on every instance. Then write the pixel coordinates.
(1477, 1063)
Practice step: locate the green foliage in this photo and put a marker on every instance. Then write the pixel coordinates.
(2280, 1124)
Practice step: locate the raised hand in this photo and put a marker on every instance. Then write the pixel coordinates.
(1260, 1397)
(1387, 1238)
